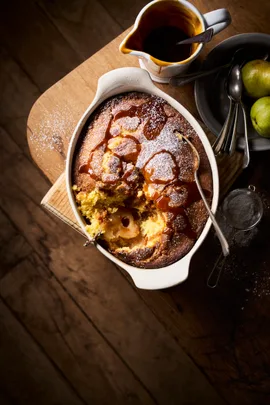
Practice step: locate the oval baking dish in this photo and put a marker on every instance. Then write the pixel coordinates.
(111, 84)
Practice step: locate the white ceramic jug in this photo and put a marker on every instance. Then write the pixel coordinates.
(179, 13)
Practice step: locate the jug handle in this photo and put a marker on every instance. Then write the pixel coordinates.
(218, 19)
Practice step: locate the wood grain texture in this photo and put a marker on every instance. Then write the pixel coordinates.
(68, 337)
(37, 45)
(46, 386)
(13, 247)
(85, 24)
(247, 16)
(18, 94)
(125, 16)
(103, 294)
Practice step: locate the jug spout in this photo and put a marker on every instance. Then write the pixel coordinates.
(132, 44)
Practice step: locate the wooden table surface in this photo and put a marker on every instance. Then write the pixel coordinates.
(189, 342)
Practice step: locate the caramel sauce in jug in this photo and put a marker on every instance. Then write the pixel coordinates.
(161, 26)
(161, 43)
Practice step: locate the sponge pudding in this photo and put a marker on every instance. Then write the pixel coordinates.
(133, 180)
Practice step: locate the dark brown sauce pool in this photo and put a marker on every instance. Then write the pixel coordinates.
(161, 44)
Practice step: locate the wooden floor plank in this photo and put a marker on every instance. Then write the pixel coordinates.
(35, 43)
(13, 246)
(85, 24)
(240, 14)
(103, 294)
(26, 374)
(224, 331)
(18, 94)
(68, 338)
(125, 16)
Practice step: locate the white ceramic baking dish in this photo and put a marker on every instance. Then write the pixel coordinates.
(134, 79)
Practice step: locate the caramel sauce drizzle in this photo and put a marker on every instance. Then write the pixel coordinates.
(153, 114)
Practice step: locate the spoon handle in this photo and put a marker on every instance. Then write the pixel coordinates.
(181, 80)
(232, 145)
(246, 159)
(205, 36)
(221, 237)
(218, 145)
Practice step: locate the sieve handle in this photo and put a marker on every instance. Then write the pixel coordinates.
(215, 274)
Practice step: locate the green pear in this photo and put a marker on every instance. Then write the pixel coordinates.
(256, 78)
(260, 116)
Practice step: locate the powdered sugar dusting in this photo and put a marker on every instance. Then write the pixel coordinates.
(54, 131)
(167, 140)
(129, 123)
(160, 168)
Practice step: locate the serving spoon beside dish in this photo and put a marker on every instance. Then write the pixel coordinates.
(220, 235)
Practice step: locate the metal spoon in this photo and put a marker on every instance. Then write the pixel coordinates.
(246, 159)
(233, 94)
(181, 80)
(221, 237)
(204, 37)
(239, 56)
(236, 95)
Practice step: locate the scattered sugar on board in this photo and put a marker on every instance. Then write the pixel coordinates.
(52, 130)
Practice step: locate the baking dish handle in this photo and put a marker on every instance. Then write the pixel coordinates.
(122, 80)
(161, 278)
